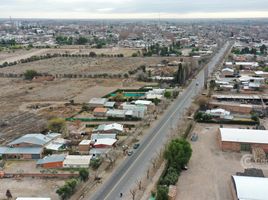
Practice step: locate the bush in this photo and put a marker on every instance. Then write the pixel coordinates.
(56, 125)
(83, 174)
(167, 94)
(67, 189)
(30, 74)
(171, 177)
(95, 163)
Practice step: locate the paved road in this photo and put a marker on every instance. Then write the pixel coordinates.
(135, 166)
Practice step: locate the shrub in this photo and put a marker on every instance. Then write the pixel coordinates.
(30, 74)
(162, 193)
(95, 163)
(56, 125)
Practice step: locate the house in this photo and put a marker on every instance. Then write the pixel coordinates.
(137, 111)
(115, 113)
(97, 102)
(109, 128)
(95, 152)
(95, 137)
(51, 161)
(77, 161)
(100, 112)
(249, 188)
(26, 153)
(233, 139)
(84, 146)
(109, 104)
(57, 144)
(227, 71)
(105, 143)
(34, 140)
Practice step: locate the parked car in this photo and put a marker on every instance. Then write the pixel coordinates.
(129, 153)
(194, 137)
(136, 146)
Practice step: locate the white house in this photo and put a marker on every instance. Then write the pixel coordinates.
(77, 161)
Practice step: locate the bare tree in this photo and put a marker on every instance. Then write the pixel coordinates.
(139, 184)
(133, 193)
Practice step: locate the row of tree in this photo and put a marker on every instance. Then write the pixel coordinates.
(156, 49)
(247, 50)
(177, 155)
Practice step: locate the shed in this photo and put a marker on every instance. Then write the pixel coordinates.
(100, 112)
(52, 161)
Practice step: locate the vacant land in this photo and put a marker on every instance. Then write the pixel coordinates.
(65, 65)
(210, 169)
(30, 187)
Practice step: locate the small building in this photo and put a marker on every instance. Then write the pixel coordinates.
(242, 139)
(34, 140)
(95, 137)
(100, 112)
(249, 188)
(95, 152)
(25, 153)
(219, 112)
(97, 102)
(109, 104)
(116, 113)
(84, 146)
(227, 71)
(105, 143)
(137, 111)
(77, 161)
(109, 128)
(52, 161)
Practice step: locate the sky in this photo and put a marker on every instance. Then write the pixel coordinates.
(132, 9)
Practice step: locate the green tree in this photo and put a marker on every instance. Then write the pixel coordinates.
(83, 174)
(178, 153)
(81, 40)
(162, 193)
(57, 125)
(30, 74)
(167, 94)
(95, 163)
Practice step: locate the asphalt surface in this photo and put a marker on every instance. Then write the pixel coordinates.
(134, 167)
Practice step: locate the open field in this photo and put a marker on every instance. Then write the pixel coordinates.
(65, 65)
(210, 169)
(30, 187)
(15, 55)
(16, 94)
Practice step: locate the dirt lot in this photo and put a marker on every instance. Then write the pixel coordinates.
(210, 169)
(30, 187)
(65, 65)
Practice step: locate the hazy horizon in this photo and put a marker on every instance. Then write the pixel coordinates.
(133, 9)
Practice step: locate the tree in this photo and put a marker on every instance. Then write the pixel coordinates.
(30, 74)
(67, 189)
(83, 174)
(95, 163)
(202, 101)
(92, 54)
(178, 153)
(56, 125)
(162, 193)
(81, 41)
(167, 94)
(263, 49)
(8, 194)
(134, 55)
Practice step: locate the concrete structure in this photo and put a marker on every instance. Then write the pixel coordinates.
(137, 111)
(76, 161)
(52, 161)
(242, 139)
(84, 146)
(249, 188)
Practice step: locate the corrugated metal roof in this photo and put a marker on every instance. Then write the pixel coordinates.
(251, 188)
(244, 135)
(51, 159)
(21, 150)
(35, 138)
